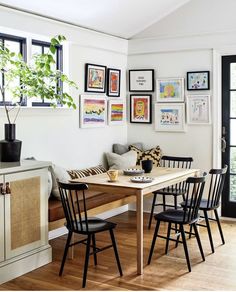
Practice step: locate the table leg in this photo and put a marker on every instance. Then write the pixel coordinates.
(139, 214)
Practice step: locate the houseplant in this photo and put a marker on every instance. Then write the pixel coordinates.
(37, 79)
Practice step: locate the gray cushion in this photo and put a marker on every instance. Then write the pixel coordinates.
(126, 160)
(121, 149)
(58, 173)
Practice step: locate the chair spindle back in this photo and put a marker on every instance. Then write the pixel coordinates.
(194, 192)
(74, 205)
(216, 186)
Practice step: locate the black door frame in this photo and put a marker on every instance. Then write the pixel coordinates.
(228, 207)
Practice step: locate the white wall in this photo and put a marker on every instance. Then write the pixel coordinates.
(197, 140)
(55, 135)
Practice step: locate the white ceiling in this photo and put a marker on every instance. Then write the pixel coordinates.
(122, 18)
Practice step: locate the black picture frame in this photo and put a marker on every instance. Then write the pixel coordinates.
(95, 78)
(110, 90)
(138, 119)
(141, 80)
(198, 80)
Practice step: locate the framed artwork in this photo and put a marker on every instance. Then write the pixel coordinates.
(198, 109)
(170, 117)
(198, 80)
(113, 82)
(95, 78)
(141, 108)
(92, 111)
(170, 90)
(116, 112)
(141, 80)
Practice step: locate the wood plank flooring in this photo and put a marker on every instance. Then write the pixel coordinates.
(166, 272)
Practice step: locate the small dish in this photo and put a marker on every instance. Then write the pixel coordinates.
(133, 171)
(142, 179)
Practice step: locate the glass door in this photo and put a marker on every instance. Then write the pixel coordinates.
(229, 134)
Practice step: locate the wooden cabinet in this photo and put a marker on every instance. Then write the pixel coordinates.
(23, 219)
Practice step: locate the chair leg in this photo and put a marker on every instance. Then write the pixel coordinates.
(153, 241)
(209, 230)
(219, 226)
(152, 210)
(116, 251)
(185, 246)
(168, 237)
(65, 252)
(94, 249)
(177, 239)
(86, 260)
(198, 240)
(190, 231)
(164, 202)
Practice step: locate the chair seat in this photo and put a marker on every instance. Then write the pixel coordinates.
(95, 225)
(204, 205)
(174, 216)
(171, 191)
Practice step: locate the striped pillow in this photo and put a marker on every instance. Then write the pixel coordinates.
(79, 173)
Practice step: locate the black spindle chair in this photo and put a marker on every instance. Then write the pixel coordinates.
(173, 190)
(212, 202)
(187, 216)
(74, 205)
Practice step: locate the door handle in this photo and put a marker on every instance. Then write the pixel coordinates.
(223, 144)
(5, 188)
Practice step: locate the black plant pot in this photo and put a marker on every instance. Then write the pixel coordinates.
(10, 148)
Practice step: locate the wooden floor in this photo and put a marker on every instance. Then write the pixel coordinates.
(166, 272)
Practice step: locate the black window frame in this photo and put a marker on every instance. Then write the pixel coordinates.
(59, 66)
(23, 51)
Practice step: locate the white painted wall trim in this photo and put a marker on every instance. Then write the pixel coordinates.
(63, 230)
(181, 43)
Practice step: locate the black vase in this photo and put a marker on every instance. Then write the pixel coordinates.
(147, 165)
(10, 148)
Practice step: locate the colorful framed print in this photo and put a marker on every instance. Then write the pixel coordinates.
(198, 109)
(116, 112)
(170, 90)
(170, 117)
(198, 80)
(95, 78)
(141, 108)
(92, 111)
(113, 82)
(141, 80)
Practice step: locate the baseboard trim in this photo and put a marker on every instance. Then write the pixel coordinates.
(108, 214)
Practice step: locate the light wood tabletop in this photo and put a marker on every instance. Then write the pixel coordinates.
(162, 177)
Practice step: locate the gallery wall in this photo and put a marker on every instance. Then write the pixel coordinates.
(55, 135)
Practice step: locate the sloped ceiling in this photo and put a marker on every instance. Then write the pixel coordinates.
(121, 18)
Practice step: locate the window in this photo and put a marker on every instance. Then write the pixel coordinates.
(39, 47)
(17, 45)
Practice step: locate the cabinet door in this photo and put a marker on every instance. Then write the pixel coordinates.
(1, 223)
(26, 212)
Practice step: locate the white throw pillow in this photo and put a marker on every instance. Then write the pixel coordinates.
(126, 160)
(58, 173)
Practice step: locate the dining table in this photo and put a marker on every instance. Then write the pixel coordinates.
(160, 177)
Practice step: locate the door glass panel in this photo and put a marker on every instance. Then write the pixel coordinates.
(233, 104)
(233, 188)
(233, 76)
(233, 132)
(233, 160)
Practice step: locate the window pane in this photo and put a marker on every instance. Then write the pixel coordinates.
(232, 188)
(233, 132)
(36, 50)
(233, 160)
(233, 104)
(13, 46)
(233, 76)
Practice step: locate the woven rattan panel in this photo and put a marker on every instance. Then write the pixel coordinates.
(25, 212)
